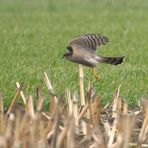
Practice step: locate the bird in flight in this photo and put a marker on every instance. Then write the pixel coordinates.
(82, 49)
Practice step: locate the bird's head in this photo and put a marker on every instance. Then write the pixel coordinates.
(68, 54)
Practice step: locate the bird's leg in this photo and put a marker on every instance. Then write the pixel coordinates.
(97, 75)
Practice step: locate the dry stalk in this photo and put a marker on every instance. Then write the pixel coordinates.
(128, 122)
(125, 108)
(34, 131)
(53, 101)
(144, 129)
(40, 104)
(89, 113)
(107, 128)
(56, 121)
(9, 128)
(25, 128)
(98, 138)
(75, 108)
(135, 145)
(8, 133)
(112, 135)
(13, 103)
(95, 111)
(17, 142)
(69, 102)
(2, 121)
(30, 107)
(46, 116)
(118, 142)
(1, 104)
(117, 103)
(21, 92)
(63, 133)
(70, 135)
(81, 76)
(69, 126)
(49, 127)
(83, 111)
(56, 129)
(105, 107)
(42, 136)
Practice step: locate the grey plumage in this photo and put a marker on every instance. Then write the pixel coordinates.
(82, 50)
(89, 41)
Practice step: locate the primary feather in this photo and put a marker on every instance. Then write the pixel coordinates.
(88, 42)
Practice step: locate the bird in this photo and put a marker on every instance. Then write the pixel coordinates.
(81, 50)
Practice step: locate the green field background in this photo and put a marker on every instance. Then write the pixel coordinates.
(34, 35)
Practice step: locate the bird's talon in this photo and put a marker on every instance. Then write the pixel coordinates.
(97, 77)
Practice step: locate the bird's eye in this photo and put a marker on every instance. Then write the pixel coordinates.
(69, 48)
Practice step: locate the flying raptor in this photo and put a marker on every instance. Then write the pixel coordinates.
(82, 49)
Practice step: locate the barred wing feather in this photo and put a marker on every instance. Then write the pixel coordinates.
(88, 41)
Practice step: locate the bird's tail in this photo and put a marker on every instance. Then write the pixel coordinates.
(110, 60)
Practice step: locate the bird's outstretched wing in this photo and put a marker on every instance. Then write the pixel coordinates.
(88, 42)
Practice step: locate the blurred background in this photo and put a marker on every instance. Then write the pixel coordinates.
(34, 35)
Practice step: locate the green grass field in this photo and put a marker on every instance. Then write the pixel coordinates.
(34, 34)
